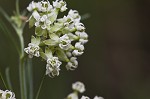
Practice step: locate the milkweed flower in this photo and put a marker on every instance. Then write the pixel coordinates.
(62, 37)
(7, 94)
(78, 86)
(73, 95)
(97, 97)
(33, 47)
(85, 97)
(72, 64)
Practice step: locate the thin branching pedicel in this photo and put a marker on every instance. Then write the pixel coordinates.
(57, 40)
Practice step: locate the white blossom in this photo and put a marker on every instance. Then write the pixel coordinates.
(44, 22)
(32, 50)
(34, 6)
(72, 96)
(53, 66)
(46, 6)
(74, 15)
(72, 64)
(36, 15)
(79, 26)
(7, 94)
(78, 86)
(97, 97)
(60, 4)
(85, 97)
(65, 42)
(81, 35)
(83, 41)
(63, 37)
(78, 49)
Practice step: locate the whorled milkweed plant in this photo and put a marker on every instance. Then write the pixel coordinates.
(57, 40)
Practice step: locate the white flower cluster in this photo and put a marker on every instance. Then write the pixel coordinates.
(62, 39)
(79, 87)
(7, 94)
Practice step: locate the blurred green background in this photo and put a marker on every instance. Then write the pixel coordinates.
(116, 63)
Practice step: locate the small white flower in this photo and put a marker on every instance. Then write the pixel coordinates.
(72, 96)
(65, 42)
(53, 66)
(52, 71)
(54, 62)
(96, 97)
(74, 15)
(46, 6)
(83, 41)
(34, 6)
(44, 22)
(36, 15)
(79, 26)
(78, 86)
(85, 97)
(81, 35)
(60, 4)
(73, 64)
(78, 49)
(7, 95)
(32, 50)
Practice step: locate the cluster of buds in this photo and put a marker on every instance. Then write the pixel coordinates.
(79, 87)
(57, 40)
(7, 94)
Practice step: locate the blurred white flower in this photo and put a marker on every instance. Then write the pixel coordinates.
(72, 96)
(7, 94)
(78, 86)
(85, 97)
(97, 97)
(34, 6)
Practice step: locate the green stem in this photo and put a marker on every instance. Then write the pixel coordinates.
(22, 76)
(40, 87)
(3, 81)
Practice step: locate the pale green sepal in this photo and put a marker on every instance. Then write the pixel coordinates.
(48, 52)
(62, 56)
(50, 42)
(38, 31)
(42, 54)
(31, 22)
